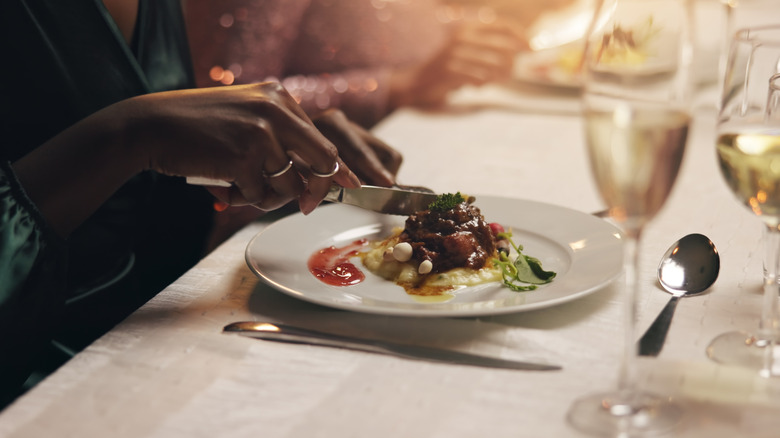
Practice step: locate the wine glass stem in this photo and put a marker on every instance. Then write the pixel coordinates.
(627, 374)
(770, 312)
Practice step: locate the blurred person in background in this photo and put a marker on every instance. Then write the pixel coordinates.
(365, 57)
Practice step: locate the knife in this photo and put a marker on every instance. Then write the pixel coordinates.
(297, 335)
(398, 200)
(388, 200)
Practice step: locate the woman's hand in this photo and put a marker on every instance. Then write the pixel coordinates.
(245, 135)
(475, 55)
(372, 160)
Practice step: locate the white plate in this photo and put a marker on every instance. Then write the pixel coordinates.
(585, 251)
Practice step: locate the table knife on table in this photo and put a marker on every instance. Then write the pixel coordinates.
(286, 333)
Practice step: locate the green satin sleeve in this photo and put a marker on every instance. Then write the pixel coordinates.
(21, 240)
(32, 282)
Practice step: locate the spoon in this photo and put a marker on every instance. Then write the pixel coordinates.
(689, 267)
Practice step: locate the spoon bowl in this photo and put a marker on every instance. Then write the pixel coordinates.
(689, 267)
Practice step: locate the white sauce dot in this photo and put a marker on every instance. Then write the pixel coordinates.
(402, 252)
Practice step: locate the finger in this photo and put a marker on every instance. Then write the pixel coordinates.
(483, 57)
(285, 181)
(230, 195)
(319, 184)
(501, 36)
(391, 159)
(302, 138)
(298, 136)
(383, 161)
(234, 197)
(272, 201)
(354, 148)
(281, 188)
(268, 169)
(460, 74)
(293, 129)
(479, 68)
(265, 177)
(279, 172)
(345, 177)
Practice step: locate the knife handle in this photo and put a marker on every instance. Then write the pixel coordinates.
(201, 181)
(297, 335)
(333, 194)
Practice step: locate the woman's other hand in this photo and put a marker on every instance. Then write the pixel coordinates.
(372, 160)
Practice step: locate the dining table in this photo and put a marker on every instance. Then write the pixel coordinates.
(169, 369)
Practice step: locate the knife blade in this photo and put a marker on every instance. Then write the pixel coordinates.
(297, 335)
(396, 200)
(386, 200)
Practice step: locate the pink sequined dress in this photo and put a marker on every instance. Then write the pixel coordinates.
(327, 53)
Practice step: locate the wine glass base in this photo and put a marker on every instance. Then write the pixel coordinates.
(634, 414)
(748, 350)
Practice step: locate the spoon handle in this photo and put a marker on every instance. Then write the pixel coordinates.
(652, 341)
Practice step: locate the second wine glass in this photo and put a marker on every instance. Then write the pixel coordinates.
(636, 102)
(749, 154)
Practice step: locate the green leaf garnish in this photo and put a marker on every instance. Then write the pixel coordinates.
(529, 270)
(523, 268)
(446, 201)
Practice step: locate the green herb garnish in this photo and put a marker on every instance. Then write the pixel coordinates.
(523, 268)
(446, 201)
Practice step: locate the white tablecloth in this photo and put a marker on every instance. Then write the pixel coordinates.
(168, 371)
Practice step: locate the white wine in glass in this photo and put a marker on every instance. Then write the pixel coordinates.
(636, 103)
(748, 148)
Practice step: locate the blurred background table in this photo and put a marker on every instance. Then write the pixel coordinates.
(169, 371)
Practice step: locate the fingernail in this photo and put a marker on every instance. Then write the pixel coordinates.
(307, 202)
(354, 179)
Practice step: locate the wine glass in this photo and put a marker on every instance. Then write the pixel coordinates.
(636, 102)
(748, 148)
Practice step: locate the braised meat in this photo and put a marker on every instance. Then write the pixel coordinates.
(453, 238)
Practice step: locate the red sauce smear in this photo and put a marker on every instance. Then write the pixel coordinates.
(332, 266)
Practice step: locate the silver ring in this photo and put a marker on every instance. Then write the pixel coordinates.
(279, 173)
(325, 175)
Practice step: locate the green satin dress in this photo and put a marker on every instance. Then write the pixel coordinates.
(63, 60)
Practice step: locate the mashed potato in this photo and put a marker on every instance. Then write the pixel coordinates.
(406, 274)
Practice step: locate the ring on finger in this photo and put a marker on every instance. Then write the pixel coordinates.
(279, 173)
(325, 175)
